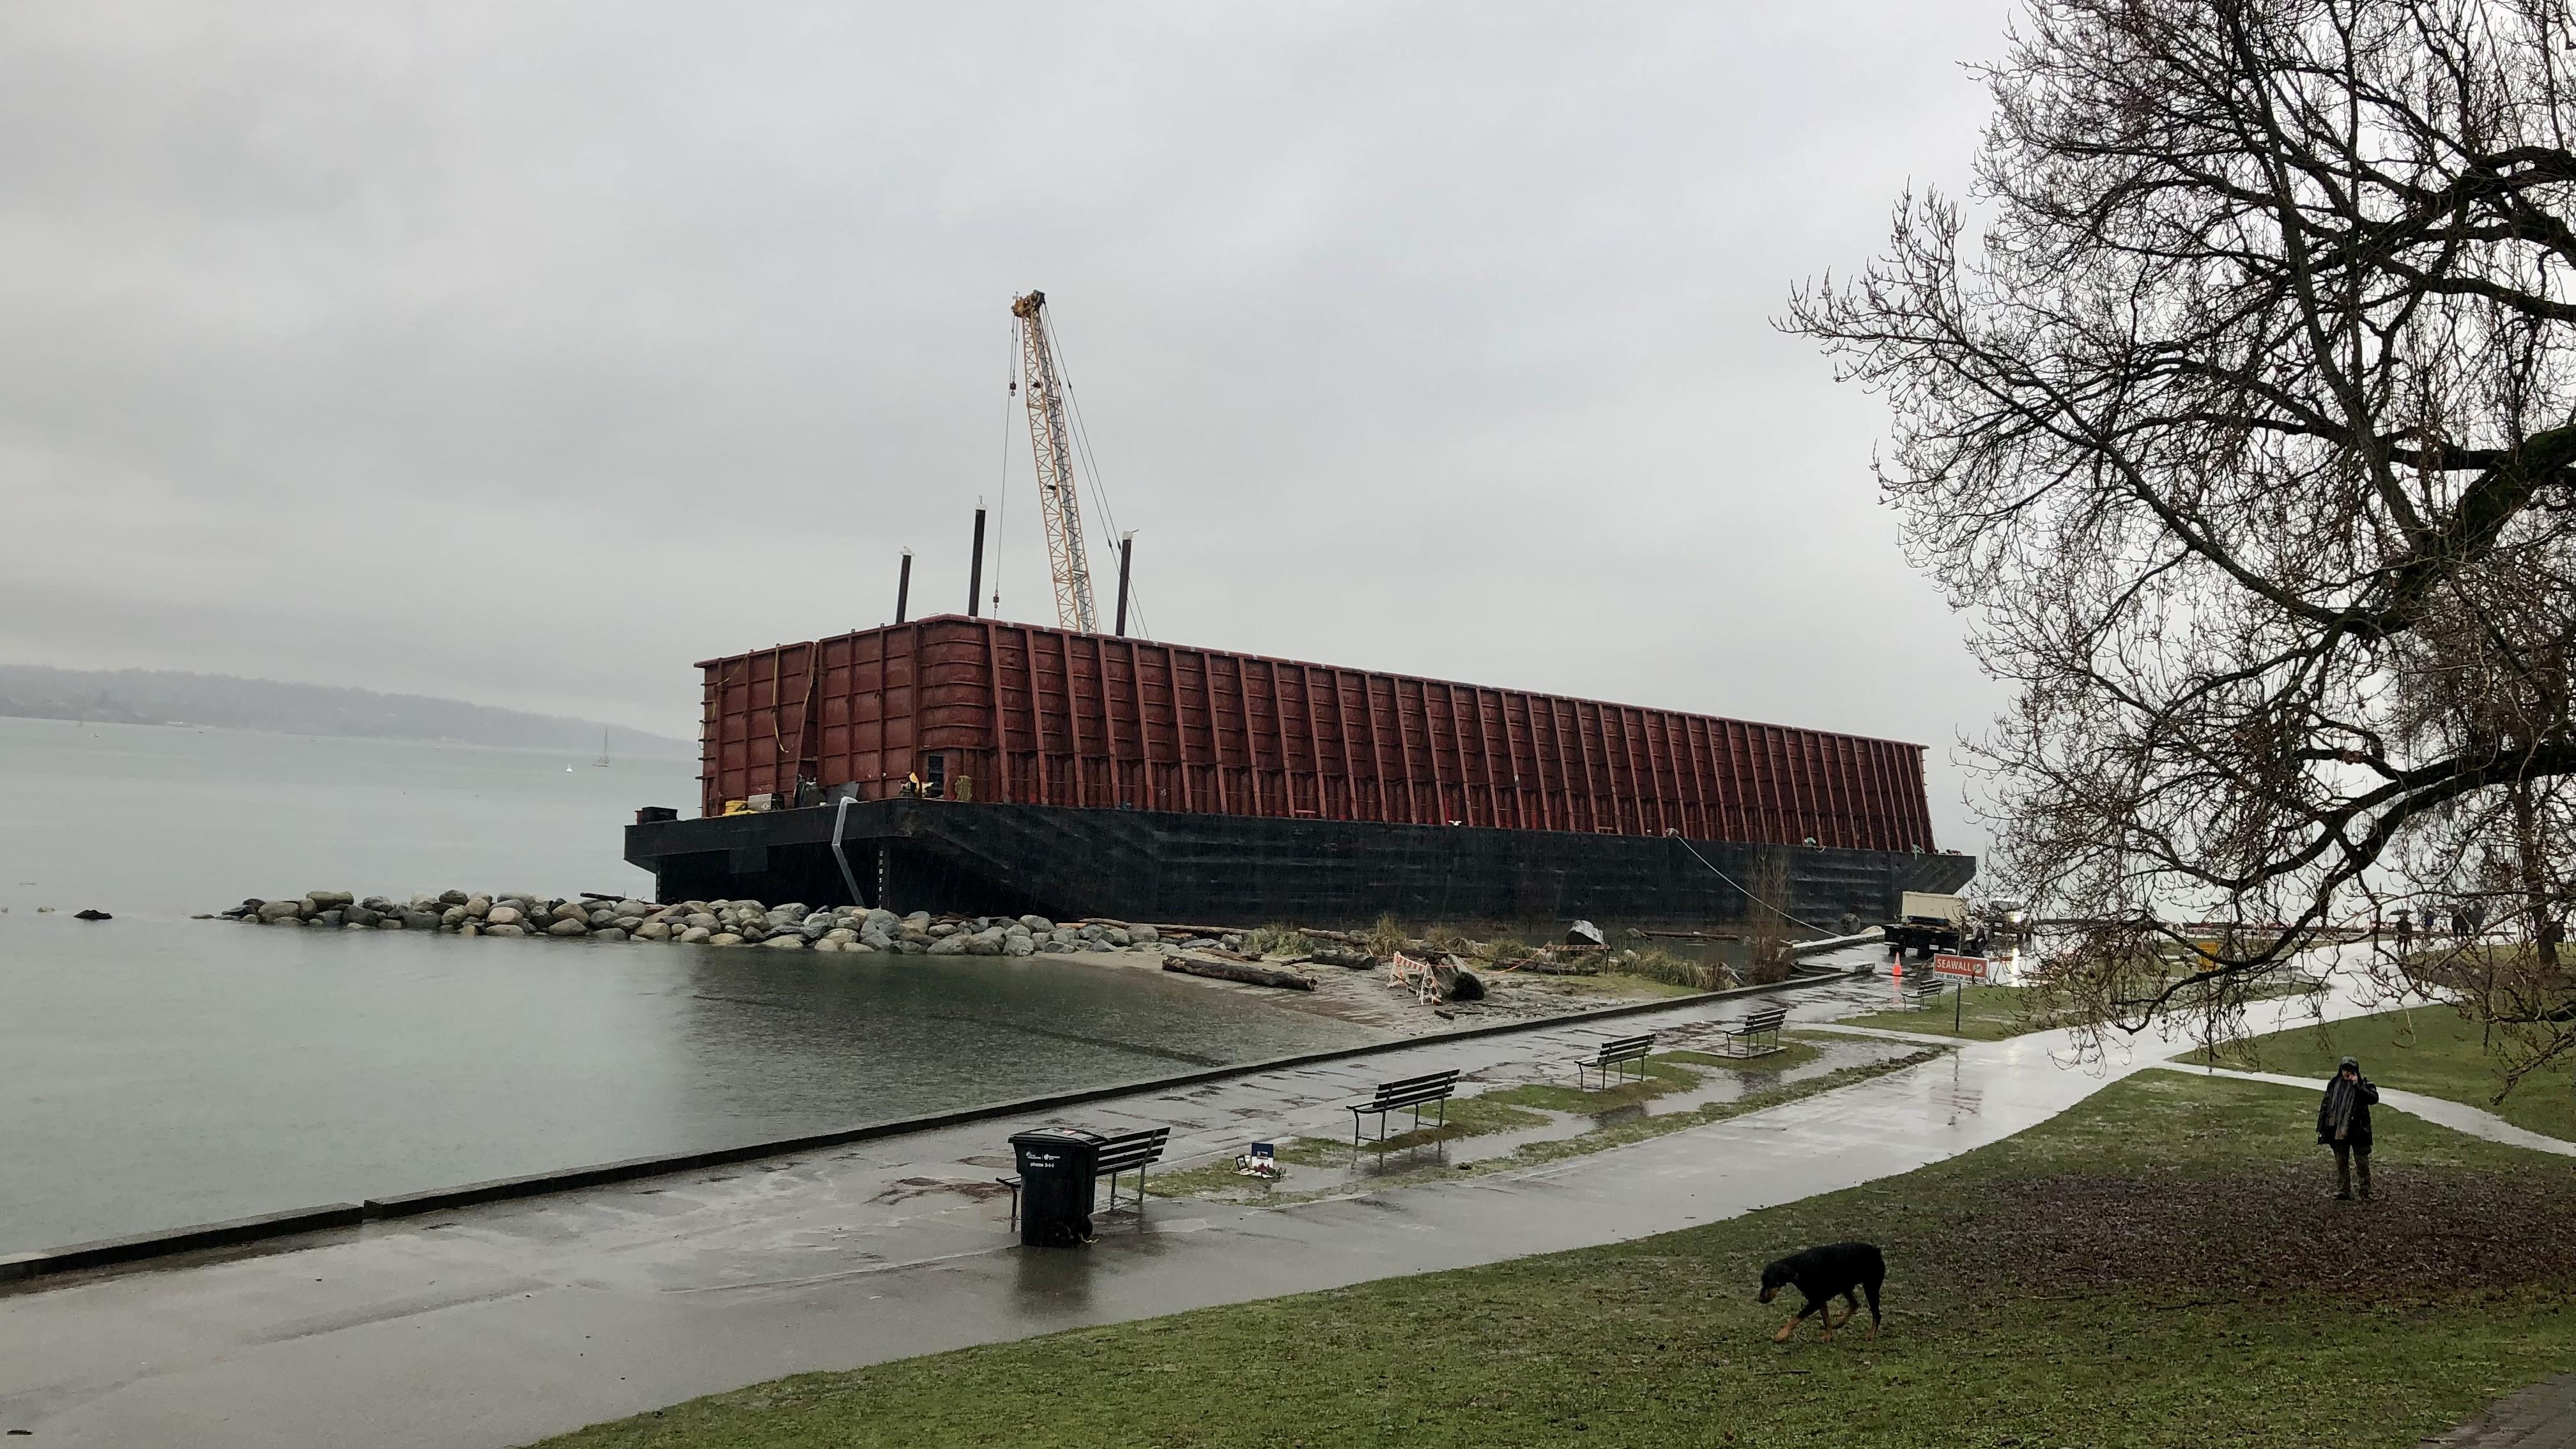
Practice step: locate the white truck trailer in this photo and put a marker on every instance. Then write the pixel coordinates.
(1928, 921)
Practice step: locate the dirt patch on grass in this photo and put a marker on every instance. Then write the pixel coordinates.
(2254, 1237)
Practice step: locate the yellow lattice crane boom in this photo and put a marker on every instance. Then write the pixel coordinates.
(1051, 438)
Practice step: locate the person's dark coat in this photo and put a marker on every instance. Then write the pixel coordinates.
(2351, 1100)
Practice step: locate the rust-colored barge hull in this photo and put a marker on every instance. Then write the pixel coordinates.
(1023, 714)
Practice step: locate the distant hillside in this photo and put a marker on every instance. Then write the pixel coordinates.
(155, 696)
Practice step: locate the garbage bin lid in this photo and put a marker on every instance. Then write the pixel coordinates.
(1052, 1135)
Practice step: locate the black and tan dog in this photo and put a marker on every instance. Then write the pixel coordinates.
(1846, 1269)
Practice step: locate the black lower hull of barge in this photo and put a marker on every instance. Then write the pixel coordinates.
(1144, 865)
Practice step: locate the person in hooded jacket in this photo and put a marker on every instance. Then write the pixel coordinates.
(2343, 1123)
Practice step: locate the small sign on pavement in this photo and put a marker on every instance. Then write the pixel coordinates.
(1971, 968)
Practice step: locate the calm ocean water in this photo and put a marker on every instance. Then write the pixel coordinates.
(167, 822)
(157, 1071)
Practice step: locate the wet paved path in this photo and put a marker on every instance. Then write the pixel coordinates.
(2540, 1417)
(2440, 1111)
(497, 1325)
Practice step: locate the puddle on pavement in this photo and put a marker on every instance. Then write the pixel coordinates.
(1716, 1084)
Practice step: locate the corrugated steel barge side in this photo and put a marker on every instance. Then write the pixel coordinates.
(1118, 777)
(1041, 716)
(1066, 862)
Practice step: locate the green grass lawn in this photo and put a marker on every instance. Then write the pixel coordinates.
(1991, 1013)
(1987, 1013)
(2429, 1050)
(2159, 1267)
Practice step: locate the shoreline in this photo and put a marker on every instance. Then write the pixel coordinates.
(18, 1270)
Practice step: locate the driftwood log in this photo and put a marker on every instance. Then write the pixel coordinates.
(1550, 966)
(1230, 971)
(1349, 960)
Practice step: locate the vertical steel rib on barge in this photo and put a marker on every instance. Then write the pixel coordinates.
(1004, 767)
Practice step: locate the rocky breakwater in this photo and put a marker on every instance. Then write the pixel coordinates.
(789, 927)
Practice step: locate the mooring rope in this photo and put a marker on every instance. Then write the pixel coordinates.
(1676, 837)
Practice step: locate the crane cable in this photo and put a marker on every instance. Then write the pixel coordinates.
(1091, 465)
(1002, 523)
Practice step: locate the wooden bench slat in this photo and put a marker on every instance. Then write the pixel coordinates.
(1426, 1080)
(1414, 1092)
(1627, 1044)
(1618, 1051)
(1766, 1021)
(1134, 1151)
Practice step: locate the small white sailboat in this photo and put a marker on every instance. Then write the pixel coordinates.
(602, 761)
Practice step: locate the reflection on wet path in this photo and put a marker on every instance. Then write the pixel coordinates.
(1325, 1163)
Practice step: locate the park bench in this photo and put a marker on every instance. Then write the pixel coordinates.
(1744, 1038)
(1413, 1092)
(1921, 994)
(1131, 1152)
(1124, 1153)
(1615, 1055)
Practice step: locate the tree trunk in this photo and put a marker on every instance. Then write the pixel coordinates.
(2545, 930)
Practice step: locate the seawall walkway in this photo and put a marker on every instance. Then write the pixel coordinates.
(495, 1325)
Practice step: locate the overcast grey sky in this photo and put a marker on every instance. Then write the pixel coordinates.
(527, 352)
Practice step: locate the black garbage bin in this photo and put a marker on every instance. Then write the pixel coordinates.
(1058, 1168)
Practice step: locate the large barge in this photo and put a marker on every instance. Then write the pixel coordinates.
(993, 767)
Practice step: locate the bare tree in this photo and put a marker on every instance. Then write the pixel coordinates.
(2246, 430)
